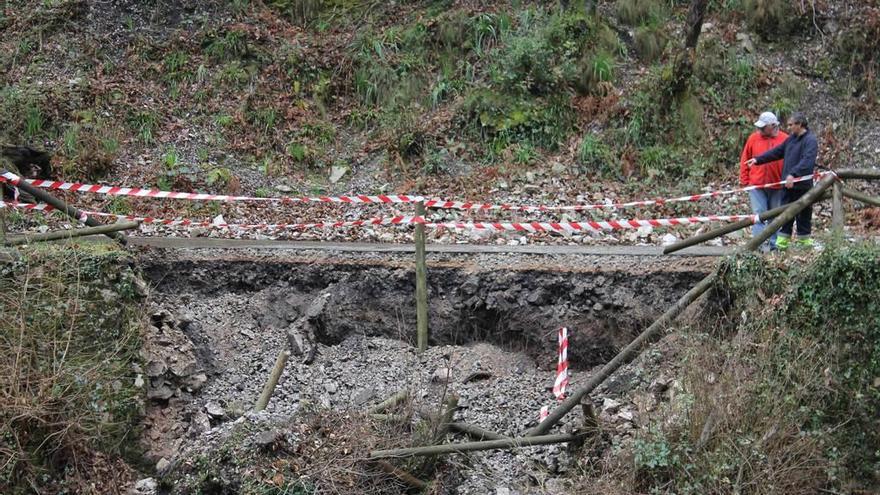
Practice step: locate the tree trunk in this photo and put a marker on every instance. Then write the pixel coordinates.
(683, 67)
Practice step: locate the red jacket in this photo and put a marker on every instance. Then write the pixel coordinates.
(759, 175)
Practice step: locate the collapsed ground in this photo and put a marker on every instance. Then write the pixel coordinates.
(761, 382)
(492, 332)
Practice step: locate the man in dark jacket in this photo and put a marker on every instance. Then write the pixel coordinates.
(799, 160)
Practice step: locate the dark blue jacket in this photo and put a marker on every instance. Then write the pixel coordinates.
(798, 154)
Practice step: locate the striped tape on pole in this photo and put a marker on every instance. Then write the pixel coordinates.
(561, 381)
(561, 365)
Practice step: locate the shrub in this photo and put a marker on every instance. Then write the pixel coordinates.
(793, 398)
(775, 18)
(650, 42)
(640, 12)
(596, 155)
(859, 47)
(505, 120)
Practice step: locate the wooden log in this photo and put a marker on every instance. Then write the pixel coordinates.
(453, 448)
(475, 432)
(837, 213)
(421, 282)
(273, 381)
(859, 173)
(65, 208)
(67, 234)
(859, 196)
(720, 231)
(389, 402)
(401, 475)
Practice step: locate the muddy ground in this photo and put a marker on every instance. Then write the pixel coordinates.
(221, 317)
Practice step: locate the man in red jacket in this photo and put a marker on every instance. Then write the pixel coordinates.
(765, 138)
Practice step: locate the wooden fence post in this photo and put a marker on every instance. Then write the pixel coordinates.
(837, 213)
(421, 282)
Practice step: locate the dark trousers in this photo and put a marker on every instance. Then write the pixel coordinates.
(804, 219)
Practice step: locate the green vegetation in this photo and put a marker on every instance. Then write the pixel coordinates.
(69, 338)
(773, 19)
(787, 383)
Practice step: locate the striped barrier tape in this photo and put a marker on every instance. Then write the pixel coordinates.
(156, 193)
(530, 227)
(374, 199)
(460, 205)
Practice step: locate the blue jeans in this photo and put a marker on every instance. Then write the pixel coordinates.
(763, 200)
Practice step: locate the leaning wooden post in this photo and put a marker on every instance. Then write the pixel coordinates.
(725, 229)
(421, 282)
(837, 214)
(652, 332)
(273, 381)
(859, 173)
(59, 205)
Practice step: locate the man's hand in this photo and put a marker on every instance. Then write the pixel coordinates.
(789, 182)
(751, 162)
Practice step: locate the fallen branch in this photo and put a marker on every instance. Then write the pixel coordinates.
(476, 432)
(67, 234)
(65, 208)
(453, 448)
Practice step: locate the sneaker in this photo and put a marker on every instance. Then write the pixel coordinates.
(782, 243)
(809, 243)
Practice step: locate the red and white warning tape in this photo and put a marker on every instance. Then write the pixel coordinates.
(461, 205)
(156, 193)
(561, 371)
(374, 199)
(530, 227)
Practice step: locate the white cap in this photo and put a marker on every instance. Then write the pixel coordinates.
(766, 118)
